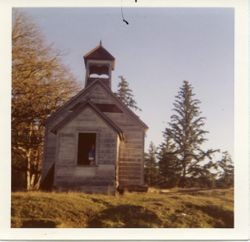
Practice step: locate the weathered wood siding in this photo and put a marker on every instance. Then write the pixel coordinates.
(97, 94)
(130, 152)
(49, 151)
(70, 175)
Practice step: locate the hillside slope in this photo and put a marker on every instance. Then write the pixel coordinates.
(173, 209)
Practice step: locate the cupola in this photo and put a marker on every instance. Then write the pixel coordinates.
(99, 64)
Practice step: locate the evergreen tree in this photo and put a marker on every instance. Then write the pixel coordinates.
(226, 171)
(151, 169)
(206, 176)
(126, 94)
(187, 134)
(169, 168)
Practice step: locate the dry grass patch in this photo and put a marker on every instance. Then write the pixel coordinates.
(173, 209)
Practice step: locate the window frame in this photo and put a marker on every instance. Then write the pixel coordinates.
(97, 133)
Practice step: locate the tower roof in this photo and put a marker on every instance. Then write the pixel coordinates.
(98, 53)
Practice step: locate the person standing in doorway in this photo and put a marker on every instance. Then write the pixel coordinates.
(91, 155)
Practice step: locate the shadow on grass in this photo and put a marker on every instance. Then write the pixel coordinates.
(38, 223)
(125, 216)
(224, 218)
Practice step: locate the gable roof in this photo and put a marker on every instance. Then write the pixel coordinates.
(80, 107)
(98, 53)
(109, 91)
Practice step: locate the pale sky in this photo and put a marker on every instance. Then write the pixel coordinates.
(159, 49)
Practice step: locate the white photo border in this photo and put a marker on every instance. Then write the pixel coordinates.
(241, 143)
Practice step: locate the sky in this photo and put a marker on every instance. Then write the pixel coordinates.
(155, 52)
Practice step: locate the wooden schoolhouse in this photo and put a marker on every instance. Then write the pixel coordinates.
(94, 143)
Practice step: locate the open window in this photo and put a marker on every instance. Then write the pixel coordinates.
(86, 149)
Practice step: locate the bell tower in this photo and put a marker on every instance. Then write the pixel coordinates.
(99, 64)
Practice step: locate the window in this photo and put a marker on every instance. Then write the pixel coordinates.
(86, 149)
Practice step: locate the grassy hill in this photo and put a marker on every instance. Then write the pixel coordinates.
(164, 209)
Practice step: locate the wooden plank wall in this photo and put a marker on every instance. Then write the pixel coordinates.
(72, 176)
(131, 151)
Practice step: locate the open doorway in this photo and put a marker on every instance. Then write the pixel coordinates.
(86, 149)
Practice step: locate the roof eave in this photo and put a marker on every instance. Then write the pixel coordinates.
(102, 115)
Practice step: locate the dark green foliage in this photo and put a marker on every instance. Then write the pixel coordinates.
(169, 167)
(181, 154)
(181, 161)
(151, 167)
(226, 171)
(126, 94)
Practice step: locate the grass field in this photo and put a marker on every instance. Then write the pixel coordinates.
(162, 209)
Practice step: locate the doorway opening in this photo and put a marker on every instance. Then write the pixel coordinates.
(86, 149)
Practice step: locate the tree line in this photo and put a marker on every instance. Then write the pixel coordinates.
(180, 160)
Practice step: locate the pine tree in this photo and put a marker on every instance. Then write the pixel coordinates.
(126, 94)
(187, 134)
(226, 171)
(151, 169)
(169, 167)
